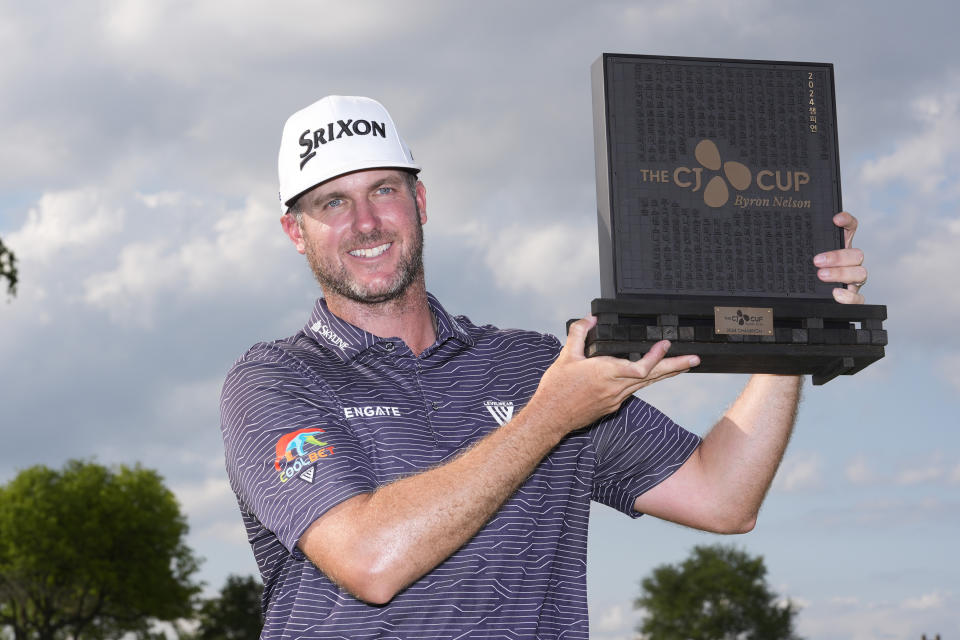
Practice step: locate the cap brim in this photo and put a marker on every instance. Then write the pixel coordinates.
(412, 168)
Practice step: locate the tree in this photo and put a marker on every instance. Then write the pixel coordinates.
(235, 614)
(91, 552)
(718, 593)
(8, 268)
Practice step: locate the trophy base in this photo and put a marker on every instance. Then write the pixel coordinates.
(796, 337)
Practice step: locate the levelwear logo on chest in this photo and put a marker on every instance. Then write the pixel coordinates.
(502, 411)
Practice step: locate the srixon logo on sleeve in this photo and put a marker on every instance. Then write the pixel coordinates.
(333, 131)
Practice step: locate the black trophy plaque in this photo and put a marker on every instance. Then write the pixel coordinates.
(717, 182)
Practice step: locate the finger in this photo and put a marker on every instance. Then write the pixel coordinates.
(849, 225)
(848, 296)
(642, 384)
(577, 336)
(839, 258)
(846, 275)
(642, 367)
(673, 366)
(653, 365)
(666, 368)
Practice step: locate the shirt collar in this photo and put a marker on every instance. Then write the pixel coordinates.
(347, 341)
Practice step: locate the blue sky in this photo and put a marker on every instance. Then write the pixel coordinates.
(138, 189)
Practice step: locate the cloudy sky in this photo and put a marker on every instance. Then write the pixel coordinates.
(138, 190)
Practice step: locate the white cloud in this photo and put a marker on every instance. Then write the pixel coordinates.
(932, 469)
(64, 219)
(859, 472)
(212, 493)
(236, 253)
(853, 618)
(800, 472)
(219, 31)
(926, 161)
(129, 289)
(31, 149)
(695, 401)
(949, 366)
(933, 257)
(541, 259)
(615, 621)
(889, 513)
(920, 475)
(933, 600)
(228, 531)
(210, 507)
(612, 619)
(161, 198)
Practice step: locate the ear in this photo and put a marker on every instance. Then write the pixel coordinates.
(292, 229)
(422, 201)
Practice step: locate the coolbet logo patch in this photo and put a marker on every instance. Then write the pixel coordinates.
(299, 449)
(735, 174)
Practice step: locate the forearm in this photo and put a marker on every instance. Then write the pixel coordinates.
(741, 453)
(377, 544)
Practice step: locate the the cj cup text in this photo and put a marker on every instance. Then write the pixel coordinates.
(766, 179)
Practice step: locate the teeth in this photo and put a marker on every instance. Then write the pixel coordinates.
(370, 253)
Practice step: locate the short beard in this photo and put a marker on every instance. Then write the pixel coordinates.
(338, 281)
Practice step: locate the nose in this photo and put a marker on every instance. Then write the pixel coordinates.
(365, 218)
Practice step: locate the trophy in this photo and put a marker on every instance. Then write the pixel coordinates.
(717, 182)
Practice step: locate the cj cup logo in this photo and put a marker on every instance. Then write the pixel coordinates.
(743, 318)
(738, 175)
(731, 174)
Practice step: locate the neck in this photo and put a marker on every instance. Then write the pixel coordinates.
(408, 317)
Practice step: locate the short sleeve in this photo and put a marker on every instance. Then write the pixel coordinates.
(289, 454)
(637, 448)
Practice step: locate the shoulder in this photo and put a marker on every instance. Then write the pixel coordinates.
(296, 356)
(287, 372)
(489, 336)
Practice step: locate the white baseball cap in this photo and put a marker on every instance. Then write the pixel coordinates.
(337, 135)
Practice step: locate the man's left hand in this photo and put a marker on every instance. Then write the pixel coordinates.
(844, 265)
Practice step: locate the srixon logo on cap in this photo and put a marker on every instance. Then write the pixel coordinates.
(310, 140)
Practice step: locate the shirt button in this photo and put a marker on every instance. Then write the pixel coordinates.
(389, 346)
(435, 406)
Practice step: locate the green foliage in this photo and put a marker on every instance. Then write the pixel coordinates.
(8, 268)
(235, 614)
(91, 552)
(718, 593)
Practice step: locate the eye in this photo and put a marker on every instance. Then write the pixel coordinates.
(336, 202)
(385, 190)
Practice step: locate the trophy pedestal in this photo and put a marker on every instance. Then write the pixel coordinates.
(824, 339)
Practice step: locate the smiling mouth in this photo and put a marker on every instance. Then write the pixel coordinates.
(373, 252)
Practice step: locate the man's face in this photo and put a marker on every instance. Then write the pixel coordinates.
(362, 234)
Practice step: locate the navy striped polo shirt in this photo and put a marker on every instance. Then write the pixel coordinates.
(334, 411)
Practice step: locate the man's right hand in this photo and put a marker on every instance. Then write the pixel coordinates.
(577, 390)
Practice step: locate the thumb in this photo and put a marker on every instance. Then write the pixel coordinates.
(577, 336)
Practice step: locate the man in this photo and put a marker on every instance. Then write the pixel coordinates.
(404, 473)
